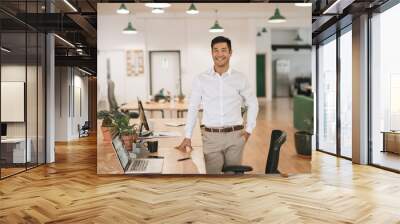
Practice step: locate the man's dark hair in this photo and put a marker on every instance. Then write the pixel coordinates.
(221, 39)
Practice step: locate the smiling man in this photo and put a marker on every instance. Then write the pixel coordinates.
(221, 91)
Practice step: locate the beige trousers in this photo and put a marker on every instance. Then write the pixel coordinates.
(222, 149)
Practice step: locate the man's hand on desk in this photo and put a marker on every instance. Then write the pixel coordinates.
(186, 143)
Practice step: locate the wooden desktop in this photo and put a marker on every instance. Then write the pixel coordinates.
(163, 107)
(108, 163)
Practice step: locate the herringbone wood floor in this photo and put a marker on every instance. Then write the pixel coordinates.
(70, 191)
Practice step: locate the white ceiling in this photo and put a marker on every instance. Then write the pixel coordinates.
(225, 10)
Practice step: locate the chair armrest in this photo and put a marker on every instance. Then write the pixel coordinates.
(237, 169)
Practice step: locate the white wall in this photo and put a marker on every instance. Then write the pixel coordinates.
(175, 30)
(186, 35)
(300, 61)
(17, 73)
(66, 121)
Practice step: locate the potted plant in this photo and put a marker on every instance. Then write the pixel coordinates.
(106, 124)
(181, 97)
(303, 120)
(303, 139)
(126, 131)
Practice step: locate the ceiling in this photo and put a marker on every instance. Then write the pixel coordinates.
(208, 9)
(81, 26)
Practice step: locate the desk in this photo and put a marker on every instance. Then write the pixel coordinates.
(108, 163)
(179, 107)
(13, 150)
(391, 141)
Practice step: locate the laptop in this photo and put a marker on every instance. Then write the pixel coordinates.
(135, 165)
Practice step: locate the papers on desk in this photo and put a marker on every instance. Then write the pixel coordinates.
(167, 134)
(163, 134)
(174, 124)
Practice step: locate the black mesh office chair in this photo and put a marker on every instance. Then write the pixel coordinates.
(278, 138)
(84, 130)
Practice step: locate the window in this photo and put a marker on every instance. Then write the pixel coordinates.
(346, 94)
(385, 89)
(327, 96)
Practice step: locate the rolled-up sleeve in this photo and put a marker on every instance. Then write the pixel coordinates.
(252, 106)
(193, 108)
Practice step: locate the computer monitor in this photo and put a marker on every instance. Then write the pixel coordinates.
(142, 118)
(3, 129)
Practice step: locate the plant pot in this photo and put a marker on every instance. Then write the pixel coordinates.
(135, 138)
(181, 98)
(303, 143)
(107, 136)
(128, 141)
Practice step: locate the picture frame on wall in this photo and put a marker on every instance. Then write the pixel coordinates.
(135, 62)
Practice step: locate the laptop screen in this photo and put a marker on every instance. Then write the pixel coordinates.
(121, 152)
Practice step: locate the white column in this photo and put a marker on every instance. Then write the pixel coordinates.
(50, 99)
(360, 90)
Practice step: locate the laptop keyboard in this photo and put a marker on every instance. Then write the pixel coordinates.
(140, 165)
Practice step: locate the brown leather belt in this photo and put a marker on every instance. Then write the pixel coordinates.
(225, 129)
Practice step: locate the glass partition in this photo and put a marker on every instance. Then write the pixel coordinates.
(346, 94)
(13, 89)
(22, 64)
(385, 89)
(327, 96)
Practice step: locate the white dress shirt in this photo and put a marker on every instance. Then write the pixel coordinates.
(221, 97)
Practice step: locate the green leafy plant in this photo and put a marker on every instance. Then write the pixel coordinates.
(122, 126)
(107, 118)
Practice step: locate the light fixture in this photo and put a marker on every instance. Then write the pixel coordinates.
(129, 29)
(277, 17)
(70, 5)
(64, 40)
(303, 4)
(216, 28)
(157, 5)
(157, 10)
(264, 30)
(123, 9)
(5, 50)
(192, 9)
(79, 50)
(298, 38)
(84, 71)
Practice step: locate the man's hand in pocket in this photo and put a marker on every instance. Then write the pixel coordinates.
(245, 135)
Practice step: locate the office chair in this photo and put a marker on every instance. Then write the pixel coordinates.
(278, 138)
(84, 130)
